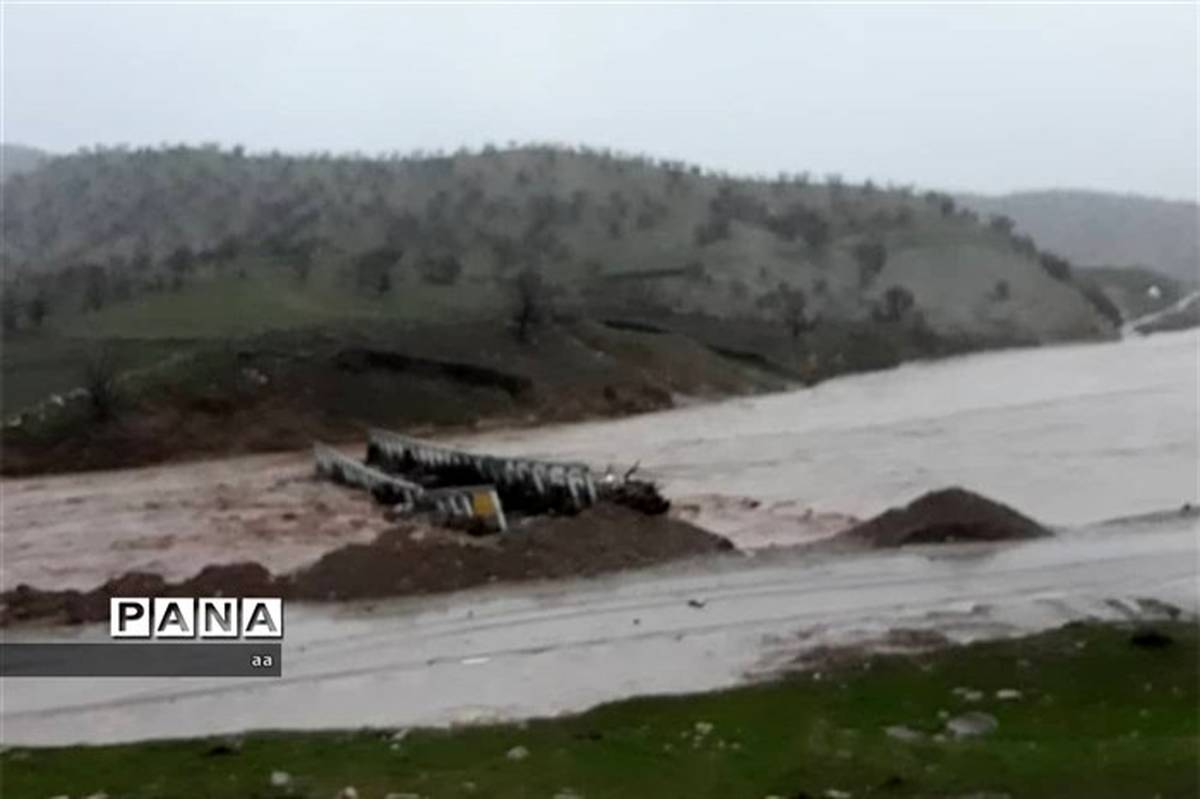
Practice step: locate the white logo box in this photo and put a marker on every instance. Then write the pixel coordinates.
(195, 617)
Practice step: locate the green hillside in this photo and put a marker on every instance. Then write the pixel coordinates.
(662, 277)
(408, 236)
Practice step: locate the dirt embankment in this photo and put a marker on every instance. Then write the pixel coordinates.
(280, 391)
(944, 516)
(408, 560)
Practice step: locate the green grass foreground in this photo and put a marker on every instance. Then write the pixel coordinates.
(1097, 717)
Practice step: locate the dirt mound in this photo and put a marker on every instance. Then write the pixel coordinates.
(408, 560)
(26, 603)
(951, 514)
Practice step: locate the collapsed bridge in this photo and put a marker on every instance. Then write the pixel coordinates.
(411, 475)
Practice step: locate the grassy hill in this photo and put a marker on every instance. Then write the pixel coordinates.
(411, 236)
(549, 254)
(1104, 229)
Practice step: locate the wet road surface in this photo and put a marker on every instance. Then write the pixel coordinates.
(526, 651)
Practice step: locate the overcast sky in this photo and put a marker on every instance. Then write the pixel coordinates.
(985, 98)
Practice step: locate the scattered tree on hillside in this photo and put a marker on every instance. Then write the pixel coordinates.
(1057, 267)
(1024, 245)
(1002, 224)
(100, 382)
(897, 302)
(531, 303)
(372, 270)
(383, 283)
(791, 306)
(871, 257)
(794, 311)
(798, 220)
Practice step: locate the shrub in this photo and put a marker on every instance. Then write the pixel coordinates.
(871, 257)
(100, 383)
(897, 302)
(372, 269)
(1057, 267)
(531, 303)
(1002, 224)
(791, 306)
(800, 220)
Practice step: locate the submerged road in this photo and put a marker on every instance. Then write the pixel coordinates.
(524, 651)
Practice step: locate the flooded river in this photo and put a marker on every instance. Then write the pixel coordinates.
(1066, 434)
(1070, 435)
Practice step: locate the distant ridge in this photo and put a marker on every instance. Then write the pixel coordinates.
(1093, 228)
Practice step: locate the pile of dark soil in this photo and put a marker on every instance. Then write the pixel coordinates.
(25, 603)
(604, 538)
(409, 560)
(944, 516)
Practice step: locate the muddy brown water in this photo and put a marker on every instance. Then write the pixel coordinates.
(1066, 435)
